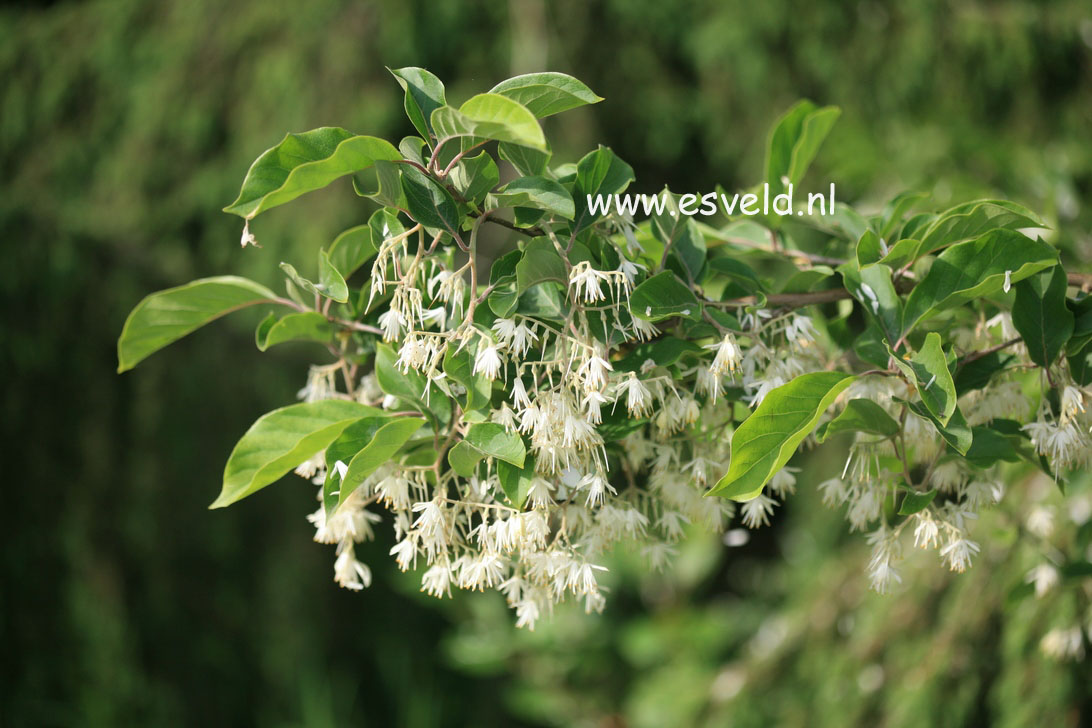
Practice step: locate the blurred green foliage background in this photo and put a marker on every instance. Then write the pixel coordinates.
(125, 126)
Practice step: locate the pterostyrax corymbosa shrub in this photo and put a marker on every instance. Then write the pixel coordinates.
(607, 380)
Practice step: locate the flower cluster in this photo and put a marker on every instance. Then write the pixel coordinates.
(513, 422)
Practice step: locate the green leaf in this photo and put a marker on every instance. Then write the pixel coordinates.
(504, 268)
(537, 192)
(976, 373)
(547, 93)
(363, 446)
(860, 415)
(739, 272)
(1080, 364)
(972, 219)
(540, 262)
(331, 284)
(409, 387)
(990, 446)
(806, 280)
(871, 285)
(975, 269)
(282, 439)
(306, 326)
(490, 116)
(459, 366)
(928, 369)
(516, 482)
(869, 249)
(870, 346)
(528, 162)
(429, 203)
(492, 440)
(681, 234)
(463, 459)
(598, 173)
(303, 163)
(663, 296)
(916, 226)
(351, 249)
(795, 141)
(1081, 309)
(1040, 315)
(766, 440)
(486, 439)
(545, 301)
(424, 94)
(474, 177)
(902, 253)
(414, 149)
(914, 502)
(956, 433)
(387, 185)
(895, 210)
(385, 225)
(663, 351)
(166, 316)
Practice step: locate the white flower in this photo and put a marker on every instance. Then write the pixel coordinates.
(833, 491)
(1063, 644)
(405, 553)
(597, 486)
(784, 482)
(959, 553)
(594, 371)
(519, 394)
(708, 384)
(517, 336)
(642, 330)
(487, 362)
(527, 613)
(593, 402)
(672, 524)
(391, 321)
(586, 282)
(885, 549)
(757, 511)
(882, 574)
(800, 331)
(1008, 281)
(539, 493)
(437, 580)
(1040, 521)
(728, 356)
(1044, 577)
(638, 398)
(437, 316)
(350, 573)
(1072, 402)
(926, 533)
(628, 271)
(248, 237)
(480, 571)
(506, 417)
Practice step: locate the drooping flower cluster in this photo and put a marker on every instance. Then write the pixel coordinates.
(624, 438)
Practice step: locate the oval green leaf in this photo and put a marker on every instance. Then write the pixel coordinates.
(303, 163)
(166, 316)
(975, 269)
(547, 93)
(766, 440)
(363, 446)
(282, 439)
(860, 415)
